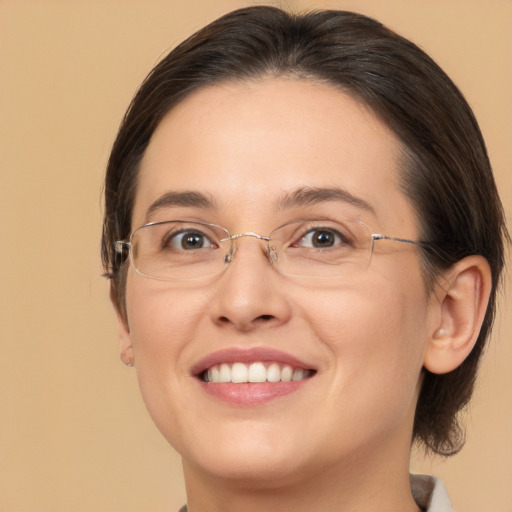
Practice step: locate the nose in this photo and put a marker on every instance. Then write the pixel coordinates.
(250, 294)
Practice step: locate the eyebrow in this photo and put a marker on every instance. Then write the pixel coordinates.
(190, 199)
(305, 196)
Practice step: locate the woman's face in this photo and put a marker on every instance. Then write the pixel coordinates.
(249, 150)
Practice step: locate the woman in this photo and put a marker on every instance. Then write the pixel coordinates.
(304, 241)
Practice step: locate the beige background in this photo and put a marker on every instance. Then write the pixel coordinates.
(74, 435)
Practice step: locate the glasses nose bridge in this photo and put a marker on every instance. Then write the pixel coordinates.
(233, 238)
(250, 233)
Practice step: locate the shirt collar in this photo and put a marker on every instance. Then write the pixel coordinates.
(430, 494)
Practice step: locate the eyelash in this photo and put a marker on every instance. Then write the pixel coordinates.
(171, 237)
(308, 235)
(339, 238)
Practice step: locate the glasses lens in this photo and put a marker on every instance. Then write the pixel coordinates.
(321, 248)
(179, 250)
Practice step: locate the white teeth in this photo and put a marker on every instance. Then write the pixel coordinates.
(224, 373)
(286, 373)
(257, 372)
(274, 373)
(254, 372)
(298, 375)
(239, 373)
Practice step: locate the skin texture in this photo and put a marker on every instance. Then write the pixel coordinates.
(341, 441)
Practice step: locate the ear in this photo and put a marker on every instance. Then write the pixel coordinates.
(125, 342)
(463, 299)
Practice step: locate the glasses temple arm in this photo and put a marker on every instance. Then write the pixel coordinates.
(121, 246)
(376, 236)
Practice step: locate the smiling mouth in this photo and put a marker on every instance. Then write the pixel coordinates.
(256, 372)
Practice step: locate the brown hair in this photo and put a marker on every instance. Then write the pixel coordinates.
(446, 172)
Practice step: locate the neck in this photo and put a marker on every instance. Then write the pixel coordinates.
(378, 484)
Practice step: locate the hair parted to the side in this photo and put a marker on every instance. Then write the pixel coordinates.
(445, 171)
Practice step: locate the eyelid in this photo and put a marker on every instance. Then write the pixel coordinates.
(300, 227)
(171, 237)
(205, 231)
(309, 232)
(319, 223)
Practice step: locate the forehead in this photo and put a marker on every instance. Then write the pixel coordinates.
(245, 146)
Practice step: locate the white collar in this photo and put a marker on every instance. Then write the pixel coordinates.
(430, 494)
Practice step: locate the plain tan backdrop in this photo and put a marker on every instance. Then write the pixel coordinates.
(74, 434)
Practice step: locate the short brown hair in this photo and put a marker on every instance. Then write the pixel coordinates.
(446, 171)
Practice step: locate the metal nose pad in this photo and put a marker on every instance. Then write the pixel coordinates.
(228, 258)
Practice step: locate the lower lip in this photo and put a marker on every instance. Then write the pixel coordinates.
(251, 394)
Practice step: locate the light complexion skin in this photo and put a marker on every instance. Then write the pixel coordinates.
(338, 439)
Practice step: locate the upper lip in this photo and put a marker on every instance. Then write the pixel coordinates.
(248, 355)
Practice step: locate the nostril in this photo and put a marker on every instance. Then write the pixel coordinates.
(265, 318)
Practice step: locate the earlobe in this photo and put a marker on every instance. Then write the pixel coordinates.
(125, 343)
(463, 302)
(123, 330)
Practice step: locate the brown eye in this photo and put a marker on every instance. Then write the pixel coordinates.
(187, 241)
(321, 238)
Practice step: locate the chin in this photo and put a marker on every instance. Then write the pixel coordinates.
(254, 472)
(260, 460)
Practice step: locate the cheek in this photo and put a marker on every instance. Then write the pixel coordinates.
(160, 318)
(375, 334)
(162, 324)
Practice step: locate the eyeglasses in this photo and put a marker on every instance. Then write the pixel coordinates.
(182, 250)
